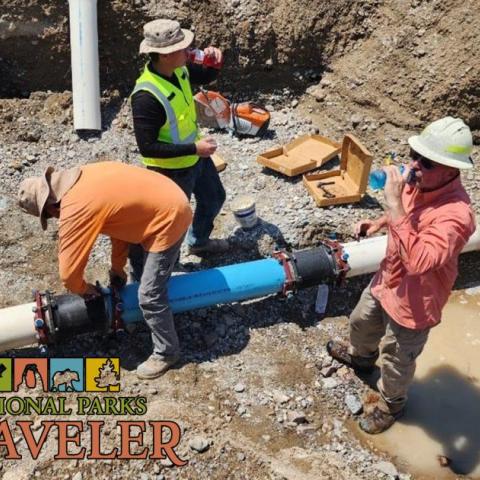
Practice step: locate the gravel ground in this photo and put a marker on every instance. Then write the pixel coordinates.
(256, 395)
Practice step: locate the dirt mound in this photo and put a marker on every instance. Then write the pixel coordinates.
(406, 62)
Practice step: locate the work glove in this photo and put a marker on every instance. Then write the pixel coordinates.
(117, 281)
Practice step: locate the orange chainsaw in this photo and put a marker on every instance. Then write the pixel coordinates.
(215, 111)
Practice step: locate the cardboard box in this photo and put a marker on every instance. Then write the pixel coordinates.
(346, 185)
(303, 154)
(219, 162)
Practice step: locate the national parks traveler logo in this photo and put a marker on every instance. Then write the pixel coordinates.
(69, 417)
(60, 374)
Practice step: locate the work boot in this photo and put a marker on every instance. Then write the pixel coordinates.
(378, 414)
(340, 352)
(378, 420)
(213, 245)
(155, 366)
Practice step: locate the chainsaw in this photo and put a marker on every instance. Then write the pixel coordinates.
(215, 111)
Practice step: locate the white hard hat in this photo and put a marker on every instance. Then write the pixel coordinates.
(447, 141)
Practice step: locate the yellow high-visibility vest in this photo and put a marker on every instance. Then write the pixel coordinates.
(181, 125)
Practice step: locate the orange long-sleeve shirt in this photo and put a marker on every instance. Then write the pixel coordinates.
(417, 275)
(129, 204)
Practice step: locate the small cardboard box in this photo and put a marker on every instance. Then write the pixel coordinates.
(346, 185)
(303, 154)
(219, 162)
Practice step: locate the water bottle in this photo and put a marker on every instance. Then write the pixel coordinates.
(195, 55)
(378, 178)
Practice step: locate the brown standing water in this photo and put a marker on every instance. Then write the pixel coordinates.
(443, 416)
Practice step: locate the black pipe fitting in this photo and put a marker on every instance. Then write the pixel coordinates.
(314, 266)
(72, 315)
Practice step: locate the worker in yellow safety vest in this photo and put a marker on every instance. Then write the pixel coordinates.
(166, 130)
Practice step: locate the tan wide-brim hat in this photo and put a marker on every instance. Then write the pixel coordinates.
(165, 36)
(34, 193)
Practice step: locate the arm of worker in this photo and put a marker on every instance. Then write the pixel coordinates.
(432, 247)
(201, 75)
(119, 259)
(75, 244)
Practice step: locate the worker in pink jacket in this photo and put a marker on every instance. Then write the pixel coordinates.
(429, 221)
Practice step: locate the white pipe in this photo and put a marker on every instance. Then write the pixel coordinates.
(17, 328)
(365, 256)
(85, 70)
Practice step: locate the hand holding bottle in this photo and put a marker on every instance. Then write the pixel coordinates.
(210, 57)
(206, 147)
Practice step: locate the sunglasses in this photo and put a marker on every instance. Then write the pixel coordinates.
(424, 162)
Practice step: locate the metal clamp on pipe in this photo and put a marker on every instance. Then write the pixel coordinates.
(337, 252)
(291, 274)
(43, 320)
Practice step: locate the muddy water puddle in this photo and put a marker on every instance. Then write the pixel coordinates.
(443, 416)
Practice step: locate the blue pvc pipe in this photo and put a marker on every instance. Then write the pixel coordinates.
(228, 284)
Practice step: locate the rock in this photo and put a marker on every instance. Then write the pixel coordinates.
(279, 397)
(330, 383)
(166, 462)
(241, 456)
(328, 371)
(239, 387)
(355, 120)
(354, 404)
(241, 410)
(387, 468)
(78, 476)
(306, 429)
(199, 444)
(294, 103)
(296, 417)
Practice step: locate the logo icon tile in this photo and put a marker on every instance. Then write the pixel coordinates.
(6, 374)
(30, 373)
(102, 374)
(66, 375)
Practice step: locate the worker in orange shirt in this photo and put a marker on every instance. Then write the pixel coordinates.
(429, 222)
(130, 205)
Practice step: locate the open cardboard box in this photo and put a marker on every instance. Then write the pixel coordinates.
(303, 154)
(219, 162)
(346, 185)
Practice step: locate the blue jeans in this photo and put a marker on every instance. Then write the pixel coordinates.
(203, 181)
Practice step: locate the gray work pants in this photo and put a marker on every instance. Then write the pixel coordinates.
(370, 328)
(153, 299)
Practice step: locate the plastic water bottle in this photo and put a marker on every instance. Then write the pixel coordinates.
(195, 55)
(378, 178)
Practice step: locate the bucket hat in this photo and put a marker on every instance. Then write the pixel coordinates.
(165, 36)
(34, 193)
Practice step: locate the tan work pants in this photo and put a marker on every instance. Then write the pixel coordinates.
(371, 328)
